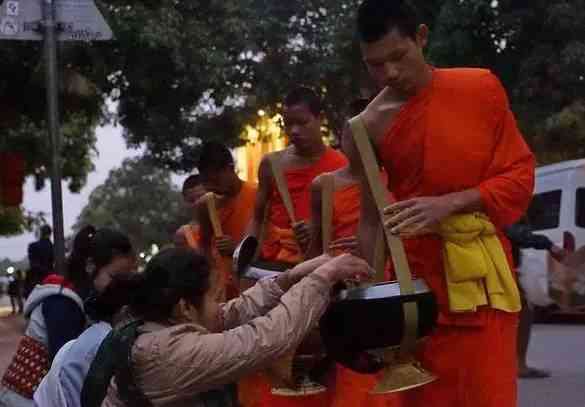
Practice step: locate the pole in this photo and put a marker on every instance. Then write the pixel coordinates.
(52, 81)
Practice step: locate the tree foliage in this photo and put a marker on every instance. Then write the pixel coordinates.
(183, 71)
(137, 199)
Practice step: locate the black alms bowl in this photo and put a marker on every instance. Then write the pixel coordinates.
(364, 319)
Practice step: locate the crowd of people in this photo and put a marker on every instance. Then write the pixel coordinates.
(188, 332)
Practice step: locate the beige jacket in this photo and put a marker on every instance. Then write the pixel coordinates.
(173, 365)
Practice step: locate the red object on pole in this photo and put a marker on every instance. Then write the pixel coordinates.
(12, 168)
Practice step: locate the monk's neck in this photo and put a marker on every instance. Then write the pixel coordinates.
(236, 187)
(425, 80)
(312, 154)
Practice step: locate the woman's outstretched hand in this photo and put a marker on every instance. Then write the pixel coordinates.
(346, 267)
(301, 270)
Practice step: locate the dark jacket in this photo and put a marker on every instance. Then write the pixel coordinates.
(522, 237)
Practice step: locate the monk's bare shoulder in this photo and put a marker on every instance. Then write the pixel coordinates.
(280, 156)
(265, 170)
(380, 113)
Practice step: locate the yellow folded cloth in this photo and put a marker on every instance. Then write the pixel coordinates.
(476, 267)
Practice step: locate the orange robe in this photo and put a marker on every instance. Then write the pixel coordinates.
(192, 235)
(352, 389)
(279, 242)
(280, 246)
(459, 133)
(234, 215)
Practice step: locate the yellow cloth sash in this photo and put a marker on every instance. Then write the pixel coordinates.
(476, 267)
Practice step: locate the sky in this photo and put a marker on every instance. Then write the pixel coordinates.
(111, 152)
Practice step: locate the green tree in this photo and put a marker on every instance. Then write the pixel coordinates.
(139, 200)
(183, 71)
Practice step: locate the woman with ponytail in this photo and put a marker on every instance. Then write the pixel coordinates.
(55, 314)
(183, 348)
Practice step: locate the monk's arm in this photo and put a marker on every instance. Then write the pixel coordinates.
(465, 201)
(369, 224)
(508, 187)
(316, 245)
(262, 198)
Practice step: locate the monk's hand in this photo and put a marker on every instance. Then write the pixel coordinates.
(225, 245)
(348, 244)
(417, 216)
(302, 234)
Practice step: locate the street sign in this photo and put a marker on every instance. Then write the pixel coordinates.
(19, 20)
(78, 20)
(81, 21)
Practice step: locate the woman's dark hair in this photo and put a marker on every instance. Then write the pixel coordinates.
(105, 305)
(98, 246)
(171, 275)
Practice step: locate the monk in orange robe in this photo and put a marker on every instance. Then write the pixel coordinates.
(351, 389)
(235, 207)
(450, 145)
(188, 235)
(305, 159)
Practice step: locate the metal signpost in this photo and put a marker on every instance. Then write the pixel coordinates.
(51, 21)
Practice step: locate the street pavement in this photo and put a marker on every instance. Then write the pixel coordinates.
(11, 329)
(558, 348)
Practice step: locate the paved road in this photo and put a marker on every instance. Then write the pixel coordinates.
(560, 349)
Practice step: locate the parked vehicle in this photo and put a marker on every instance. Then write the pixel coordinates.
(557, 211)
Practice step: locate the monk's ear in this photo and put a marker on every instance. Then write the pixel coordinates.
(422, 36)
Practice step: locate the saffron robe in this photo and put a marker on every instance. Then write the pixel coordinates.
(234, 214)
(192, 236)
(459, 133)
(279, 243)
(280, 246)
(352, 389)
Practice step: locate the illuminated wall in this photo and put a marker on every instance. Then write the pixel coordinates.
(265, 136)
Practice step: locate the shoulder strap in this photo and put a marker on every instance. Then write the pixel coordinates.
(111, 354)
(380, 255)
(210, 201)
(393, 243)
(128, 390)
(327, 190)
(282, 187)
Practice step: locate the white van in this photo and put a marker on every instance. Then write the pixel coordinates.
(557, 211)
